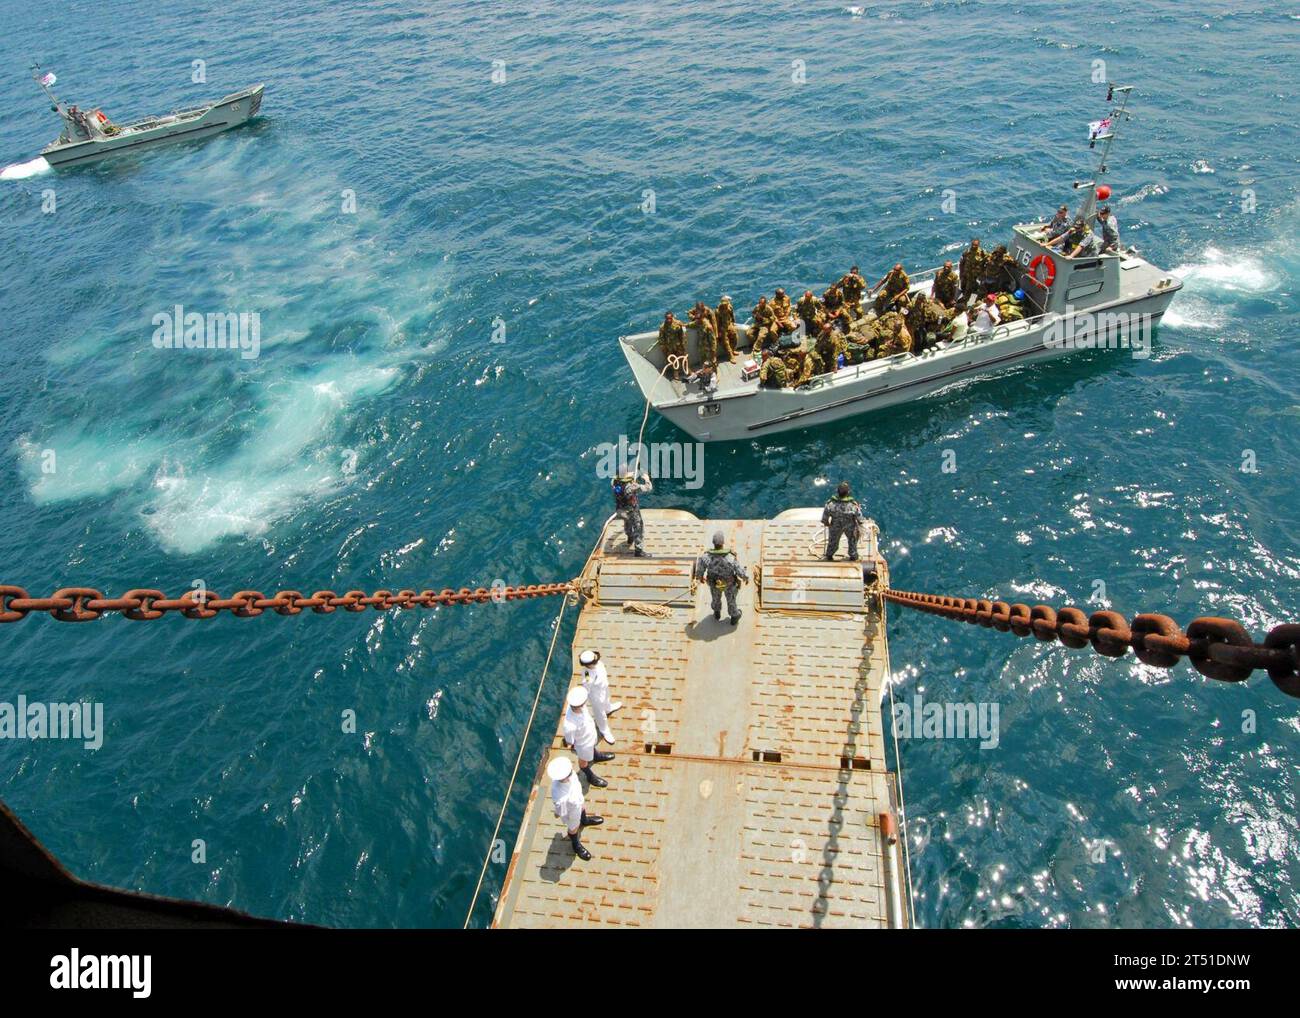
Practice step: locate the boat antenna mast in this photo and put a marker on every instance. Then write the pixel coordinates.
(1109, 128)
(45, 81)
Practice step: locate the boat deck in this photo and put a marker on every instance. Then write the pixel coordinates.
(750, 775)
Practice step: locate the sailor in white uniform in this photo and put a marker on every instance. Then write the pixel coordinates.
(580, 735)
(566, 795)
(596, 681)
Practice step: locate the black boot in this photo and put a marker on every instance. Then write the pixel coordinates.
(639, 553)
(736, 618)
(717, 616)
(593, 778)
(591, 820)
(578, 850)
(599, 757)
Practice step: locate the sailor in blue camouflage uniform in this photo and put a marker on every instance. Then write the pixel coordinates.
(1109, 230)
(627, 507)
(842, 517)
(719, 568)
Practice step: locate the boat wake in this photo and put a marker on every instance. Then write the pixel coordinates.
(1213, 282)
(21, 171)
(1143, 193)
(1223, 272)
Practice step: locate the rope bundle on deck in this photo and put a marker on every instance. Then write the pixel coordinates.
(1217, 648)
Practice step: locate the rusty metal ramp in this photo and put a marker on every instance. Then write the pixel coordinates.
(749, 784)
(645, 580)
(813, 587)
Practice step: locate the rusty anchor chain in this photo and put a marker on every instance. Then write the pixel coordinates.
(85, 604)
(1217, 648)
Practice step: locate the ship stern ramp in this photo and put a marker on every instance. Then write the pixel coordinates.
(749, 782)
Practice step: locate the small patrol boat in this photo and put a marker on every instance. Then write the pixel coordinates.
(89, 135)
(1108, 300)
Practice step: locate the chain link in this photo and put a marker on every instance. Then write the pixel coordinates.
(85, 604)
(1217, 648)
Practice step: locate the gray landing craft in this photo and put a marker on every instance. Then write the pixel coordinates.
(89, 135)
(1070, 303)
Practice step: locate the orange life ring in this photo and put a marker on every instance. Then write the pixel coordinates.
(1043, 259)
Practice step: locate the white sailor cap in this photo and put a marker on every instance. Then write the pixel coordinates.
(588, 658)
(577, 696)
(559, 768)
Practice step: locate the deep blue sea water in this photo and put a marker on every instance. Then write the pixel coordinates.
(475, 461)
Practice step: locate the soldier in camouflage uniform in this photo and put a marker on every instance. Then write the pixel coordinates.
(798, 367)
(945, 286)
(1072, 237)
(915, 317)
(927, 322)
(627, 507)
(971, 268)
(781, 307)
(809, 309)
(842, 517)
(833, 299)
(892, 286)
(725, 320)
(844, 319)
(1060, 223)
(897, 339)
(672, 337)
(1109, 227)
(703, 321)
(762, 325)
(853, 286)
(724, 574)
(773, 374)
(999, 269)
(786, 322)
(830, 344)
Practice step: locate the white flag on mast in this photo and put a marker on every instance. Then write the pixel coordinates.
(1097, 128)
(48, 79)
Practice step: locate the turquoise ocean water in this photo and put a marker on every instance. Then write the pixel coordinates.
(522, 200)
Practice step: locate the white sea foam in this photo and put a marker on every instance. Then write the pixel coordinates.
(287, 460)
(1192, 312)
(64, 466)
(21, 171)
(1220, 271)
(1144, 192)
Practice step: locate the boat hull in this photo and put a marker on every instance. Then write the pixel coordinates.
(757, 412)
(232, 111)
